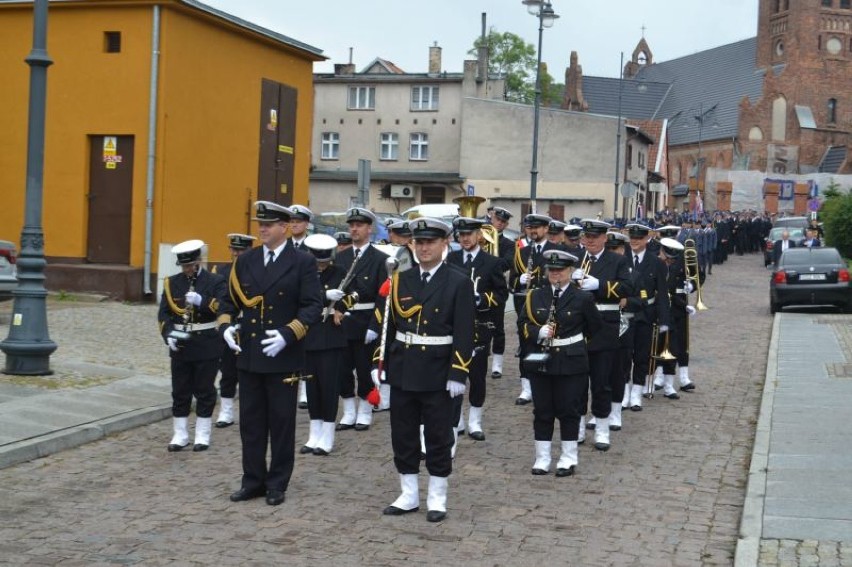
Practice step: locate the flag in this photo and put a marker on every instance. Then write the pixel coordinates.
(699, 204)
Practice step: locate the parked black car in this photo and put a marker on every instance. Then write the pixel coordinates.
(8, 272)
(810, 276)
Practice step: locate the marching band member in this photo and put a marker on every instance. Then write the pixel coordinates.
(617, 242)
(344, 241)
(429, 354)
(505, 250)
(490, 294)
(527, 274)
(238, 244)
(556, 234)
(572, 240)
(608, 279)
(325, 344)
(189, 307)
(367, 265)
(298, 232)
(276, 289)
(649, 306)
(556, 321)
(679, 288)
(400, 235)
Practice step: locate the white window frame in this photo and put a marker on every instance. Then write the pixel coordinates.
(361, 98)
(425, 98)
(389, 146)
(418, 149)
(330, 146)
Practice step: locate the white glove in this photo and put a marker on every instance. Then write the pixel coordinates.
(455, 388)
(377, 378)
(578, 274)
(230, 339)
(370, 336)
(690, 310)
(590, 283)
(193, 298)
(334, 295)
(525, 277)
(172, 342)
(664, 329)
(274, 344)
(545, 333)
(477, 299)
(688, 287)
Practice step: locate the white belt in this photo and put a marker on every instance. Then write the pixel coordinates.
(412, 339)
(362, 306)
(652, 300)
(627, 315)
(567, 340)
(680, 290)
(192, 327)
(607, 306)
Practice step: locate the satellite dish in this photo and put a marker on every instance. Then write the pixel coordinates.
(628, 189)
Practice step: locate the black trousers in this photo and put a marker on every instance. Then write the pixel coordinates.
(678, 344)
(605, 378)
(557, 396)
(359, 357)
(228, 368)
(476, 376)
(196, 378)
(324, 388)
(499, 337)
(407, 411)
(641, 355)
(267, 419)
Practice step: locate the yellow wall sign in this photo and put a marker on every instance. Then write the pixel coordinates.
(286, 149)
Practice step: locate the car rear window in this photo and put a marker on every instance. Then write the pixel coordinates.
(811, 256)
(775, 233)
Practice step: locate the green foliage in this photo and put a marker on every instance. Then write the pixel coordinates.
(510, 56)
(836, 214)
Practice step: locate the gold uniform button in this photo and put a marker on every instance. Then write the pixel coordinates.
(271, 308)
(409, 319)
(423, 348)
(269, 322)
(280, 293)
(254, 320)
(254, 334)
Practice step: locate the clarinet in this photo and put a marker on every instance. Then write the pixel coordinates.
(189, 310)
(529, 270)
(347, 279)
(551, 320)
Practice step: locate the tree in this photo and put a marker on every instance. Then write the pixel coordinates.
(514, 59)
(836, 214)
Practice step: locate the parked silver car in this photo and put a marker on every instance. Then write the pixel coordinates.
(8, 272)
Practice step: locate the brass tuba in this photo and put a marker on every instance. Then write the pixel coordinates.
(489, 240)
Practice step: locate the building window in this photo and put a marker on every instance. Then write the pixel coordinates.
(330, 145)
(424, 98)
(832, 111)
(362, 98)
(419, 148)
(628, 157)
(826, 3)
(112, 42)
(777, 6)
(641, 157)
(390, 146)
(844, 4)
(779, 119)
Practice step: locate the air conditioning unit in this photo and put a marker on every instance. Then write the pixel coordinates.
(402, 191)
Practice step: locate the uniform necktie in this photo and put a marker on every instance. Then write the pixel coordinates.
(270, 257)
(425, 277)
(468, 261)
(357, 253)
(556, 293)
(636, 261)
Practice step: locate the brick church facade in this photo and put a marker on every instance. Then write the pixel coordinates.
(779, 103)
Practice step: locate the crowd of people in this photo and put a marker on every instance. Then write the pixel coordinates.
(350, 328)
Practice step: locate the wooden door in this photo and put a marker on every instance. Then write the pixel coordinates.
(277, 142)
(110, 199)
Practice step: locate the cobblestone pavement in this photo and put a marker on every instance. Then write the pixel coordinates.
(783, 552)
(669, 492)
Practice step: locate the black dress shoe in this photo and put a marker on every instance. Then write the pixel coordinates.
(615, 428)
(522, 401)
(539, 472)
(244, 494)
(305, 450)
(361, 427)
(343, 426)
(477, 435)
(602, 446)
(320, 452)
(673, 396)
(435, 516)
(394, 511)
(303, 405)
(565, 472)
(635, 408)
(198, 447)
(687, 387)
(274, 497)
(657, 388)
(173, 448)
(496, 375)
(222, 424)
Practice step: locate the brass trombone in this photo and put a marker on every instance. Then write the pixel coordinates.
(690, 260)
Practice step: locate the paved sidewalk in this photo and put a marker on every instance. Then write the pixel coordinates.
(798, 508)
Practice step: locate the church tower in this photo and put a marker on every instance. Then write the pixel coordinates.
(804, 32)
(641, 57)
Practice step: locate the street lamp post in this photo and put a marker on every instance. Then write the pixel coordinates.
(543, 10)
(28, 346)
(700, 118)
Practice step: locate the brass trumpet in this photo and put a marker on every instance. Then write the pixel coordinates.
(690, 260)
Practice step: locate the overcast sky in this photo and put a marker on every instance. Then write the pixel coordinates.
(402, 30)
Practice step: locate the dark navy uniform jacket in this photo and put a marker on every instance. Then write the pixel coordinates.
(369, 275)
(649, 301)
(202, 345)
(284, 297)
(491, 286)
(613, 272)
(326, 335)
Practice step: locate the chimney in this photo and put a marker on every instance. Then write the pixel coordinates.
(482, 56)
(435, 59)
(345, 68)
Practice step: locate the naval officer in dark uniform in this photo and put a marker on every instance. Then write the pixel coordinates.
(429, 353)
(277, 289)
(299, 223)
(237, 244)
(505, 250)
(189, 308)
